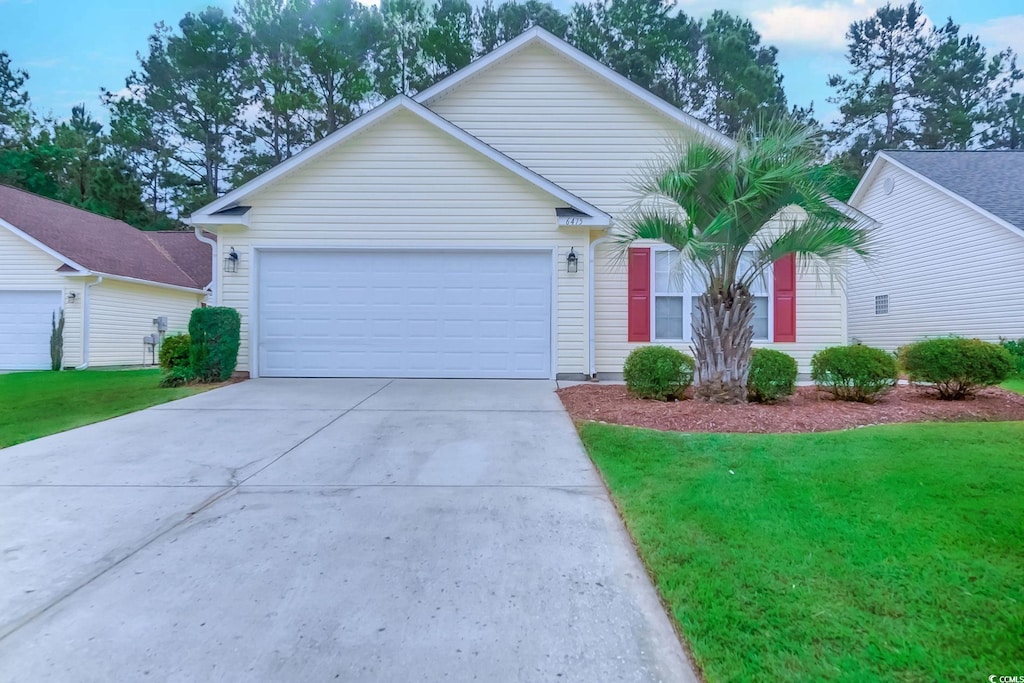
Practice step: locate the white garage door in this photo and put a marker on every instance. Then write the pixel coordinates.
(404, 314)
(25, 326)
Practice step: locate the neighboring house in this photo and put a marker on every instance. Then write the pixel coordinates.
(435, 236)
(948, 250)
(111, 280)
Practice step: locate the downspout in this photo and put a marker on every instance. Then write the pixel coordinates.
(593, 267)
(85, 322)
(213, 255)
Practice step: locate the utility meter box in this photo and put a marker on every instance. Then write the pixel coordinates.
(161, 323)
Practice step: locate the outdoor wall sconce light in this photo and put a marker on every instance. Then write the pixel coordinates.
(231, 261)
(72, 297)
(572, 261)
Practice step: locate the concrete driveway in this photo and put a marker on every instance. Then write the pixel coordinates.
(314, 530)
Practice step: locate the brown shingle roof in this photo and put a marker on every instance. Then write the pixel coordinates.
(105, 245)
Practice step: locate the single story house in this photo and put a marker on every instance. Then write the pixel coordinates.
(115, 284)
(468, 232)
(948, 248)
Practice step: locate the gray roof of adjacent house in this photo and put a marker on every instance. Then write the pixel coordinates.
(108, 246)
(991, 180)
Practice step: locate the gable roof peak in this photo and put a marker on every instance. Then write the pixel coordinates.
(538, 35)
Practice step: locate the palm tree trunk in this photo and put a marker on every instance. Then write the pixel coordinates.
(722, 345)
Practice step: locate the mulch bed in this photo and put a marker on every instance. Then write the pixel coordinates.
(808, 410)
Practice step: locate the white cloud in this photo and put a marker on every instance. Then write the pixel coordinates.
(998, 34)
(822, 27)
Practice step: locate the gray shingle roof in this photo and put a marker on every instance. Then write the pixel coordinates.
(105, 245)
(992, 180)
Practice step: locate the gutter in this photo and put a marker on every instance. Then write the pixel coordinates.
(593, 261)
(213, 255)
(85, 323)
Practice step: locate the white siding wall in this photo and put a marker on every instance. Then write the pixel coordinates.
(404, 183)
(121, 314)
(946, 268)
(24, 266)
(592, 139)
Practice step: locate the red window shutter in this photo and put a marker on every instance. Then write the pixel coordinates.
(785, 299)
(639, 295)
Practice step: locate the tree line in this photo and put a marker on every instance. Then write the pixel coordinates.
(221, 97)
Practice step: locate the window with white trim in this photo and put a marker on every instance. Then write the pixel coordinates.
(674, 294)
(669, 294)
(881, 304)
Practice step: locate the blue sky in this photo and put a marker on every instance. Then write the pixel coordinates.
(72, 48)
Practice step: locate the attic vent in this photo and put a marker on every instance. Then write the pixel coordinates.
(889, 185)
(881, 304)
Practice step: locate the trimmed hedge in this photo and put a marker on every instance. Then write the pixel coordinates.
(658, 372)
(854, 373)
(772, 376)
(956, 367)
(174, 351)
(213, 352)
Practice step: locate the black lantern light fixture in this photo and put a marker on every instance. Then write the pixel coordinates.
(231, 261)
(572, 261)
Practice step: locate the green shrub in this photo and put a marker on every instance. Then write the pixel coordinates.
(854, 373)
(1016, 349)
(658, 372)
(772, 376)
(174, 351)
(956, 367)
(177, 376)
(213, 352)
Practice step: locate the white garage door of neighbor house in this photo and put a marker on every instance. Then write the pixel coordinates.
(404, 314)
(25, 326)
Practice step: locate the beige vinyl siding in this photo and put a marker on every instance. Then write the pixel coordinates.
(820, 303)
(121, 314)
(593, 139)
(946, 268)
(403, 183)
(25, 266)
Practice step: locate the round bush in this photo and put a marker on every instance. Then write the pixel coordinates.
(658, 372)
(772, 376)
(854, 373)
(174, 351)
(956, 367)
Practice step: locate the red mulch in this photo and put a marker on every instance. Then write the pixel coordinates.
(808, 410)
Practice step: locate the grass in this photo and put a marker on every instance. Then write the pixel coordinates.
(35, 404)
(1015, 385)
(883, 553)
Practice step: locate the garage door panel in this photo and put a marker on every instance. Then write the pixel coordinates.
(405, 314)
(26, 319)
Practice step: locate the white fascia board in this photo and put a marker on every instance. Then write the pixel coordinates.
(1019, 231)
(537, 34)
(82, 270)
(139, 281)
(508, 163)
(208, 221)
(204, 216)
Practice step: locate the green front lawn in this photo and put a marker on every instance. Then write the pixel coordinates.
(35, 404)
(883, 553)
(1016, 385)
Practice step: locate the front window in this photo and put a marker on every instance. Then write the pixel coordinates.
(675, 298)
(669, 296)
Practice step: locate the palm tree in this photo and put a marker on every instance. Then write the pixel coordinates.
(732, 213)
